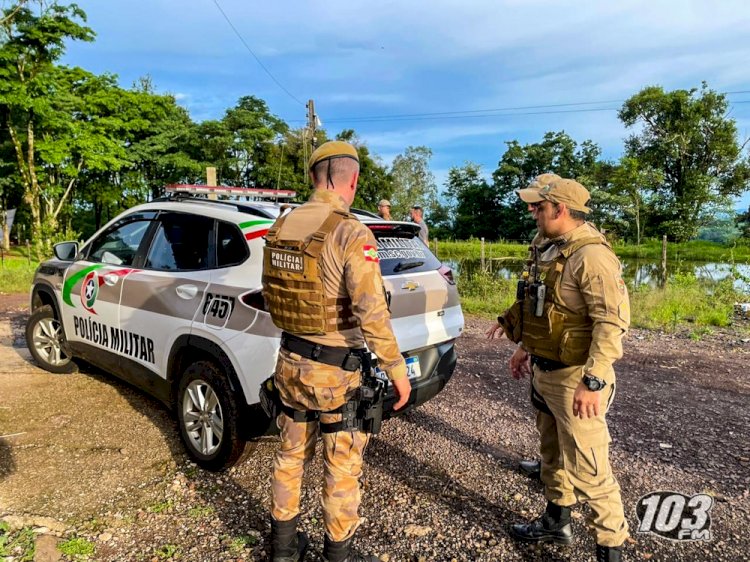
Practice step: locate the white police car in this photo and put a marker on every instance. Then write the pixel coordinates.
(167, 296)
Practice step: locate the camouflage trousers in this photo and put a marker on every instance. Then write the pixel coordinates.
(575, 455)
(308, 385)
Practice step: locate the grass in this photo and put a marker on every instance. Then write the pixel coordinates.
(18, 545)
(695, 250)
(685, 302)
(168, 551)
(16, 272)
(160, 507)
(77, 547)
(200, 511)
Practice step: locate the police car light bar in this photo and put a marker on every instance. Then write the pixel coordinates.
(254, 192)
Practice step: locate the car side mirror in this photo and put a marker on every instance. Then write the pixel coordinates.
(66, 251)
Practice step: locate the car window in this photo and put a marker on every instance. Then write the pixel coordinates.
(181, 243)
(402, 254)
(231, 247)
(119, 245)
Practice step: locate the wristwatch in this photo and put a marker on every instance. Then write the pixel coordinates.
(593, 383)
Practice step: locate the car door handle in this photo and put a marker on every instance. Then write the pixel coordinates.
(111, 279)
(187, 292)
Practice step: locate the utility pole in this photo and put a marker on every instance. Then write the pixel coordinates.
(312, 120)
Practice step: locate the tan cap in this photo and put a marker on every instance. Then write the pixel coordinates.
(384, 203)
(543, 180)
(570, 192)
(332, 149)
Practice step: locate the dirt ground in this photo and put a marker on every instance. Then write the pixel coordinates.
(87, 456)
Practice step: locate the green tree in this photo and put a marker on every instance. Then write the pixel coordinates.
(374, 181)
(472, 202)
(30, 91)
(558, 153)
(687, 136)
(413, 182)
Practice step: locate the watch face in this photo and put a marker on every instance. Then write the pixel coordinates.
(593, 383)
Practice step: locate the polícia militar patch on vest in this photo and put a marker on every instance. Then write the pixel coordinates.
(289, 261)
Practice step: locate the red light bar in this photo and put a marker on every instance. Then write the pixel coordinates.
(256, 192)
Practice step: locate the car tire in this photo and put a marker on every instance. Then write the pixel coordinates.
(209, 416)
(45, 338)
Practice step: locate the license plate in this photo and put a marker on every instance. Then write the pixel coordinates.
(412, 369)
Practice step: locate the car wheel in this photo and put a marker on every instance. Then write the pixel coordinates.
(46, 341)
(208, 414)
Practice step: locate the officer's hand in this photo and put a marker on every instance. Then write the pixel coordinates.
(494, 331)
(585, 402)
(402, 387)
(520, 364)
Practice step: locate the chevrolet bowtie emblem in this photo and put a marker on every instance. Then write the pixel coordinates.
(410, 285)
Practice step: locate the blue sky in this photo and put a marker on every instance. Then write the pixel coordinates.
(374, 59)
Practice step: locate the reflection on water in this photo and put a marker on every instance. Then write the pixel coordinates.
(636, 272)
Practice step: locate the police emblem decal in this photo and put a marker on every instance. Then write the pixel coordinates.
(89, 291)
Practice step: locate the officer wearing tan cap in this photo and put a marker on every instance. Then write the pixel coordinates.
(530, 467)
(384, 209)
(323, 287)
(575, 312)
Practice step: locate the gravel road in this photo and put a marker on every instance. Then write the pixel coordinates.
(87, 456)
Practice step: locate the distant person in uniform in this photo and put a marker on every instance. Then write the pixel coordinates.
(416, 215)
(575, 313)
(530, 467)
(323, 286)
(384, 210)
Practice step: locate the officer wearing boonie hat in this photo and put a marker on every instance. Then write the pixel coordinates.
(323, 287)
(574, 314)
(384, 209)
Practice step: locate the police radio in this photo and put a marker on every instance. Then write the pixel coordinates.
(537, 294)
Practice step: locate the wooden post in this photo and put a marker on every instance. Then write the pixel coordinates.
(211, 180)
(664, 261)
(482, 262)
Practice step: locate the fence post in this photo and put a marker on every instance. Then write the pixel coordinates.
(482, 254)
(664, 261)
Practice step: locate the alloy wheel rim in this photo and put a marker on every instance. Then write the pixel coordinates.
(202, 417)
(48, 342)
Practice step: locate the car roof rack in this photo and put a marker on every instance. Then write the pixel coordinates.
(251, 193)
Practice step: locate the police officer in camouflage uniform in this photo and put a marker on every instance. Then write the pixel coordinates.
(571, 335)
(530, 467)
(323, 286)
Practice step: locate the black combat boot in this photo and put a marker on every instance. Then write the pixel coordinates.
(287, 545)
(341, 552)
(552, 526)
(532, 468)
(608, 553)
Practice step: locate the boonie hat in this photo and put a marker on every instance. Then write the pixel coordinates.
(330, 150)
(542, 180)
(384, 203)
(570, 192)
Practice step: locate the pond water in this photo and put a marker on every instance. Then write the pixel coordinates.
(636, 272)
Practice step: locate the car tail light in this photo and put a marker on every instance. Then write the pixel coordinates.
(382, 227)
(447, 274)
(255, 300)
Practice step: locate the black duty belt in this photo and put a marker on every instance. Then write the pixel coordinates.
(343, 357)
(545, 364)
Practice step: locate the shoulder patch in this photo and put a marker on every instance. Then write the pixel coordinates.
(371, 253)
